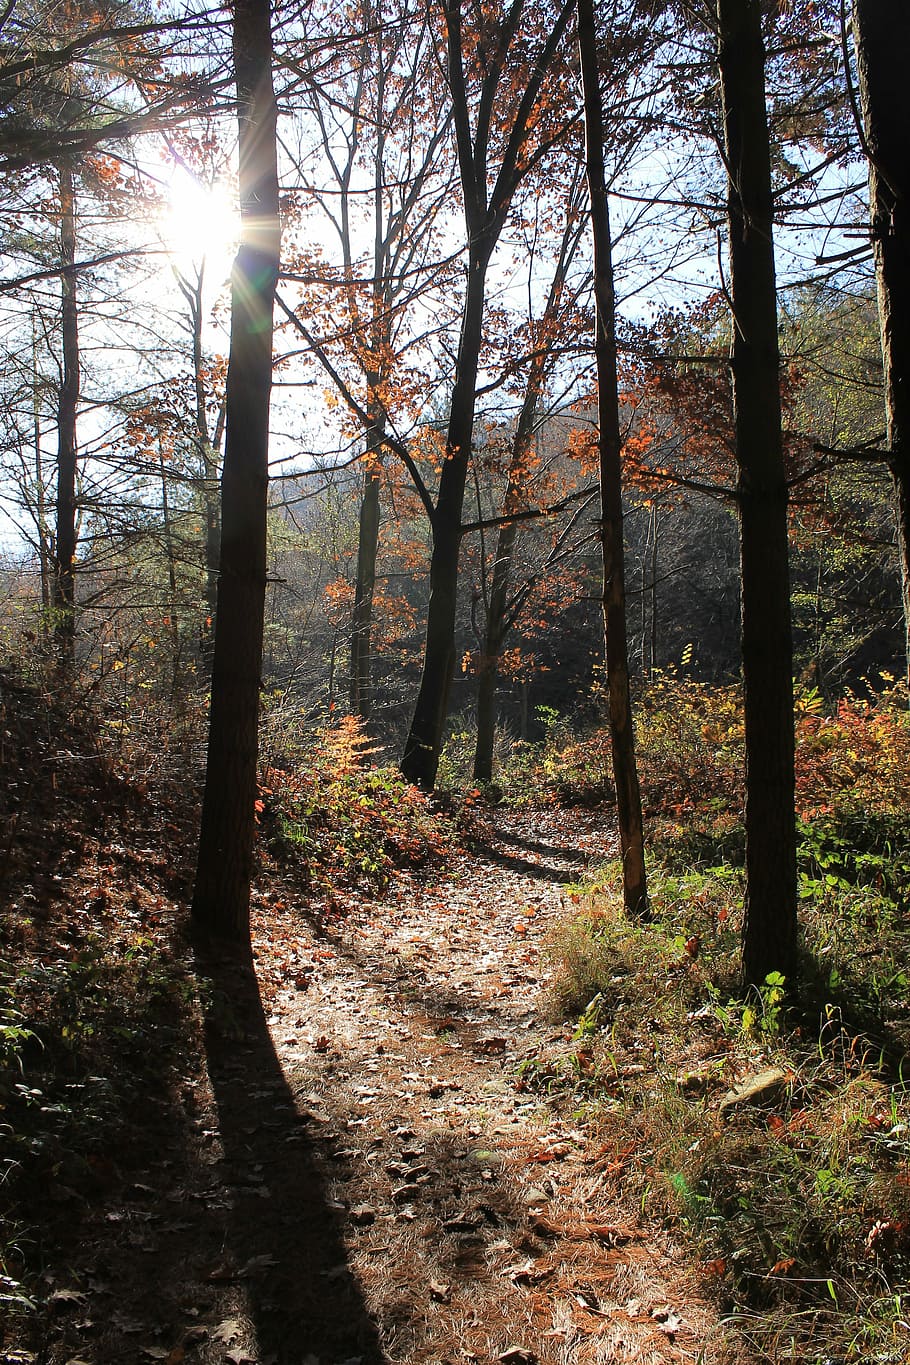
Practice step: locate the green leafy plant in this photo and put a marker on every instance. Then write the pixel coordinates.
(763, 1014)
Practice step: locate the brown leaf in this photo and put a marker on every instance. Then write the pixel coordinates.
(257, 1264)
(613, 1236)
(525, 1273)
(61, 1297)
(223, 1273)
(228, 1331)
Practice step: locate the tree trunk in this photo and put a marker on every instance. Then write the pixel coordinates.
(485, 214)
(209, 459)
(212, 512)
(44, 564)
(622, 737)
(882, 35)
(486, 718)
(421, 753)
(769, 933)
(221, 900)
(171, 556)
(653, 543)
(499, 620)
(63, 584)
(488, 667)
(362, 626)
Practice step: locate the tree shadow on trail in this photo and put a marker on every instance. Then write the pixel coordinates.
(284, 1240)
(566, 855)
(512, 863)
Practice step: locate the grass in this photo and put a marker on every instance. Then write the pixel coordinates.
(797, 1205)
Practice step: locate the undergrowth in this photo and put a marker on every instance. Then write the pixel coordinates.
(797, 1198)
(342, 821)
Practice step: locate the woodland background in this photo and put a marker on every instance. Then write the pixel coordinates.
(360, 513)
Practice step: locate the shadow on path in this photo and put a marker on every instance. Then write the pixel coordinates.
(284, 1240)
(566, 855)
(513, 863)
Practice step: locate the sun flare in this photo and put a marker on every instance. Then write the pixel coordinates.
(201, 223)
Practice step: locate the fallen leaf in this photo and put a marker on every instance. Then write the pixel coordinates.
(223, 1273)
(405, 1193)
(534, 1196)
(228, 1331)
(666, 1320)
(490, 1046)
(524, 1273)
(64, 1296)
(257, 1263)
(613, 1236)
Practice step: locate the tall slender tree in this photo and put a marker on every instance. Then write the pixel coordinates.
(882, 37)
(221, 898)
(383, 180)
(502, 599)
(496, 76)
(63, 579)
(769, 936)
(622, 737)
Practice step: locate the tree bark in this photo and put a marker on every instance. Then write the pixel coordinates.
(770, 928)
(622, 737)
(171, 557)
(364, 587)
(209, 460)
(882, 36)
(221, 900)
(63, 581)
(494, 638)
(44, 562)
(421, 753)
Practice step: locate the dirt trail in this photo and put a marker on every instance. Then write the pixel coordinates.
(478, 1225)
(352, 1173)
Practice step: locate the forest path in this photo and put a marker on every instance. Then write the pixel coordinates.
(470, 1220)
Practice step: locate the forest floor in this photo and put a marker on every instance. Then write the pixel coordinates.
(332, 1161)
